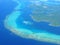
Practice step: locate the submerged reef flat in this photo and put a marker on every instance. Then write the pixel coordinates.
(10, 23)
(47, 12)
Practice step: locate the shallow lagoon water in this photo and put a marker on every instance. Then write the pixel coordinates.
(24, 32)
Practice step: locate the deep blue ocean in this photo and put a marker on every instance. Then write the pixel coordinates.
(9, 38)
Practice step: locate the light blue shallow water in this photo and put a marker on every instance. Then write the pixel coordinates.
(40, 24)
(25, 32)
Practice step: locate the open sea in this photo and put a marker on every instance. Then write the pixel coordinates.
(9, 38)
